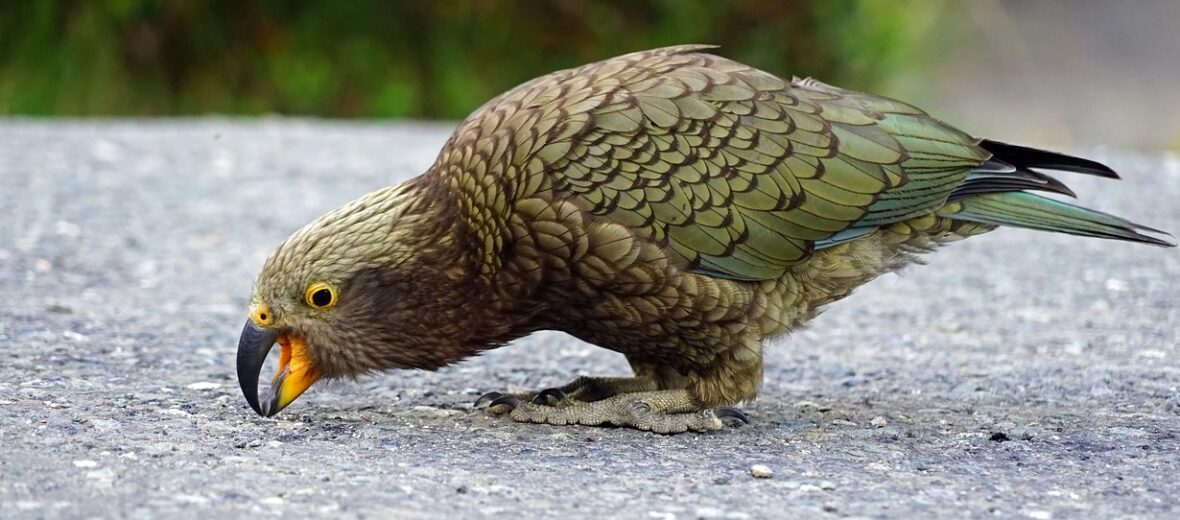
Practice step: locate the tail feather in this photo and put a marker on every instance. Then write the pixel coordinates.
(1024, 158)
(1032, 211)
(980, 182)
(995, 194)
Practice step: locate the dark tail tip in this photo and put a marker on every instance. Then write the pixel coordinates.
(1025, 157)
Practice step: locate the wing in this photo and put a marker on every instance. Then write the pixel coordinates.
(739, 173)
(735, 172)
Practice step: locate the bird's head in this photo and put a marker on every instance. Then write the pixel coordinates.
(350, 293)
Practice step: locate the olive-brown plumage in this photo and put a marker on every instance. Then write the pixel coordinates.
(671, 205)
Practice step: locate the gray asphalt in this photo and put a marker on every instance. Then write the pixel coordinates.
(1017, 375)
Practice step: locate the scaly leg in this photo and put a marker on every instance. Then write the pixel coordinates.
(659, 411)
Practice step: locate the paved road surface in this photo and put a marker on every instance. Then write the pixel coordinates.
(1019, 374)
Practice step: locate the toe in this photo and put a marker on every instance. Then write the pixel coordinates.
(509, 400)
(503, 404)
(487, 398)
(549, 396)
(731, 416)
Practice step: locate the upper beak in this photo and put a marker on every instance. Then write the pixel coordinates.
(296, 373)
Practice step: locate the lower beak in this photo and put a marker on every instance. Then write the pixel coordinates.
(296, 373)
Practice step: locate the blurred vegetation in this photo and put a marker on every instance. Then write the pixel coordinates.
(415, 58)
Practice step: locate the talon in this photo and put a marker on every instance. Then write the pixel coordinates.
(543, 397)
(507, 400)
(490, 396)
(730, 412)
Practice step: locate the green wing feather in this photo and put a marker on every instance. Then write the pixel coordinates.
(739, 173)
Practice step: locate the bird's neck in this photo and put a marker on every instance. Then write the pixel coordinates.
(462, 312)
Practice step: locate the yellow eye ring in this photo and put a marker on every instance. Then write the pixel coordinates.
(320, 296)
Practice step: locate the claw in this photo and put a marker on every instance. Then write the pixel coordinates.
(543, 397)
(488, 397)
(506, 400)
(730, 412)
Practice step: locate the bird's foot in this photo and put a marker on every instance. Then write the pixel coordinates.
(583, 389)
(662, 411)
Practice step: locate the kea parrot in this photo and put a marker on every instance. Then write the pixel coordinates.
(671, 205)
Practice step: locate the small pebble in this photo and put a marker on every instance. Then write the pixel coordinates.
(204, 385)
(879, 422)
(761, 471)
(85, 464)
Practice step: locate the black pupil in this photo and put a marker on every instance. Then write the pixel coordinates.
(262, 316)
(321, 297)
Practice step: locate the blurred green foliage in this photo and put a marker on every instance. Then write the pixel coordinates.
(415, 58)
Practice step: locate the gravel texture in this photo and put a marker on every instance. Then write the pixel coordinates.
(1019, 374)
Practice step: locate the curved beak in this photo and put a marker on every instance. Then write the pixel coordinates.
(296, 372)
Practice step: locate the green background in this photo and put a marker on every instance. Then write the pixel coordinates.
(422, 59)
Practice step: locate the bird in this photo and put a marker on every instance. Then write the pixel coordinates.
(671, 205)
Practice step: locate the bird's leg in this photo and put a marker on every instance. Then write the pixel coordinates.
(659, 398)
(659, 411)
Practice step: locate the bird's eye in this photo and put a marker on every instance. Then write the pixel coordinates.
(320, 295)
